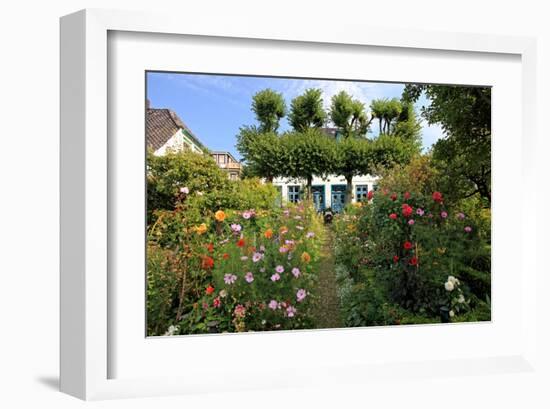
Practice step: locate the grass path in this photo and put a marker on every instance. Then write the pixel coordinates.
(327, 314)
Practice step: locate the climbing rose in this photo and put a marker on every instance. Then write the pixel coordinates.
(407, 245)
(393, 216)
(406, 210)
(370, 195)
(407, 195)
(395, 259)
(437, 197)
(393, 196)
(413, 261)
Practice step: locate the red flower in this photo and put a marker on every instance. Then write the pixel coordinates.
(393, 216)
(407, 195)
(217, 302)
(395, 259)
(406, 210)
(240, 243)
(437, 197)
(370, 195)
(407, 245)
(209, 290)
(393, 196)
(413, 261)
(210, 248)
(207, 262)
(225, 256)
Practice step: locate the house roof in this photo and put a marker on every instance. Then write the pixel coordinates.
(162, 124)
(224, 153)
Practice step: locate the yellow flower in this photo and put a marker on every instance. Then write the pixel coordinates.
(441, 250)
(219, 215)
(306, 258)
(200, 229)
(357, 204)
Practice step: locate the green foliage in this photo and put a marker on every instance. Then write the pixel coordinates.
(390, 150)
(306, 110)
(307, 154)
(262, 152)
(269, 107)
(417, 176)
(386, 111)
(349, 115)
(464, 157)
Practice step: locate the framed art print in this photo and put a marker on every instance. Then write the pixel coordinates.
(266, 205)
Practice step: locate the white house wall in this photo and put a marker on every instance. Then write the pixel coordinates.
(361, 180)
(176, 143)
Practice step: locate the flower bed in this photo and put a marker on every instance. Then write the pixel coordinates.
(407, 258)
(233, 271)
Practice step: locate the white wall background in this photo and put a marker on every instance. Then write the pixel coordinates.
(29, 145)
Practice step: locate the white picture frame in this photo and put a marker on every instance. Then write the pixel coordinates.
(85, 218)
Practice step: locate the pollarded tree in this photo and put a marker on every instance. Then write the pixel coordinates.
(269, 107)
(354, 157)
(386, 111)
(307, 154)
(306, 110)
(349, 115)
(261, 151)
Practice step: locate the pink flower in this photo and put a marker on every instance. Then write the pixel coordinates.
(310, 234)
(467, 229)
(229, 278)
(444, 215)
(249, 277)
(236, 228)
(461, 216)
(279, 269)
(393, 216)
(300, 295)
(275, 277)
(290, 311)
(273, 305)
(283, 249)
(247, 215)
(420, 212)
(411, 222)
(257, 257)
(296, 272)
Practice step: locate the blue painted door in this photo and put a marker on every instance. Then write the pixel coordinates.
(338, 197)
(318, 197)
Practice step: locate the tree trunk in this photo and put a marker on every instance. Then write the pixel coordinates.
(349, 189)
(308, 187)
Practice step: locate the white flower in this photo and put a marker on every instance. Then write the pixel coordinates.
(451, 313)
(200, 193)
(449, 286)
(454, 280)
(461, 299)
(172, 329)
(184, 190)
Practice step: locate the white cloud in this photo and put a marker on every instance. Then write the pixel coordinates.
(430, 134)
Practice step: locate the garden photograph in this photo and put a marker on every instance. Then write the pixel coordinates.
(300, 204)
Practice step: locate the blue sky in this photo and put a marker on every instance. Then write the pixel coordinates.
(214, 107)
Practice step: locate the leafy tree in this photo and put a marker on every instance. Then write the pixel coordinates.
(349, 115)
(354, 157)
(386, 111)
(269, 107)
(261, 151)
(310, 153)
(464, 156)
(306, 110)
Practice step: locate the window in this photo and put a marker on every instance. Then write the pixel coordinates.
(375, 187)
(294, 194)
(361, 192)
(222, 159)
(233, 176)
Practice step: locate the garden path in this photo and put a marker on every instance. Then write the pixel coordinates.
(328, 314)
